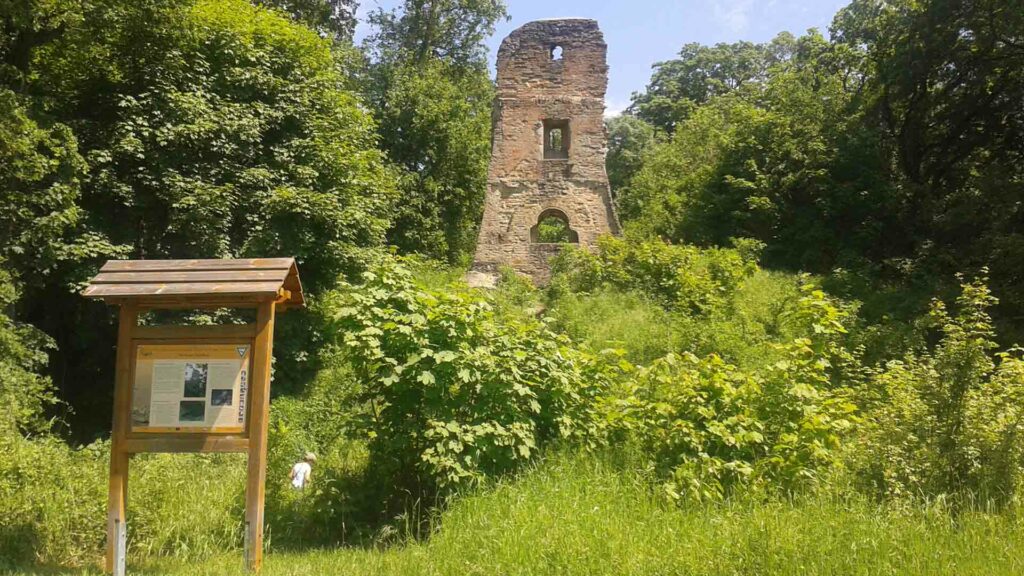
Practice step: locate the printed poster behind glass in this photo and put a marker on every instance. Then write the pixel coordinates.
(190, 387)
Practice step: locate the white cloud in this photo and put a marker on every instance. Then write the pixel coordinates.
(733, 14)
(614, 108)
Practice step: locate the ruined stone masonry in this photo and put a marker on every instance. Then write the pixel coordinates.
(548, 146)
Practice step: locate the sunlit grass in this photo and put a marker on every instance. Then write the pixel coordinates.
(583, 516)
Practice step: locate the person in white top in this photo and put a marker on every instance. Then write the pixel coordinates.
(300, 474)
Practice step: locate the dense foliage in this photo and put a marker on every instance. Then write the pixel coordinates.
(629, 139)
(682, 277)
(335, 18)
(783, 160)
(949, 420)
(706, 425)
(892, 149)
(24, 392)
(428, 83)
(40, 170)
(760, 334)
(233, 133)
(457, 393)
(177, 129)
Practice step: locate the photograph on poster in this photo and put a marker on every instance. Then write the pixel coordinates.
(195, 379)
(140, 414)
(221, 397)
(192, 411)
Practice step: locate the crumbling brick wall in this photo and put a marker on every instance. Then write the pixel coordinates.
(552, 76)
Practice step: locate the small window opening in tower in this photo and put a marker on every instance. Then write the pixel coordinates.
(556, 139)
(553, 228)
(556, 52)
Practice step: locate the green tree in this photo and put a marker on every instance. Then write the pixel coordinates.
(700, 73)
(787, 160)
(944, 82)
(431, 94)
(26, 25)
(629, 138)
(211, 128)
(449, 30)
(25, 393)
(218, 129)
(40, 165)
(40, 181)
(435, 123)
(335, 18)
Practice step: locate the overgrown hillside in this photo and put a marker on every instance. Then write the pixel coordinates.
(800, 358)
(889, 151)
(433, 389)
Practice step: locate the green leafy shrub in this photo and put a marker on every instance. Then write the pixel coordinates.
(24, 392)
(948, 421)
(626, 321)
(684, 278)
(736, 310)
(709, 427)
(39, 188)
(759, 315)
(456, 395)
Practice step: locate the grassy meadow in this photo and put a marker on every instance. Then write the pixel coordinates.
(589, 515)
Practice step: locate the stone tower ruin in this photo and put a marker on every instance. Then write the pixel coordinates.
(548, 146)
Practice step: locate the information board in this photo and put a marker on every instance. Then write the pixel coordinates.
(190, 387)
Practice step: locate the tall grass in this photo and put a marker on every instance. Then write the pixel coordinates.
(581, 515)
(53, 503)
(620, 320)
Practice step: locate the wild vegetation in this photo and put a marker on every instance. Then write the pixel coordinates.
(800, 357)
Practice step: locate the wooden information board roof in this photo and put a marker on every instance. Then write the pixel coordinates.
(198, 283)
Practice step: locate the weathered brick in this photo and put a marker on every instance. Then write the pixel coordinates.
(536, 90)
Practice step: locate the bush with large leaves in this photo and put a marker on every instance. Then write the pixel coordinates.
(456, 393)
(708, 427)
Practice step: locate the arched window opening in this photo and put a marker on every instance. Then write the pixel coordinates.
(555, 142)
(556, 139)
(553, 228)
(556, 53)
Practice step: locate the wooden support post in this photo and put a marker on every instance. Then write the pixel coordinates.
(259, 408)
(117, 498)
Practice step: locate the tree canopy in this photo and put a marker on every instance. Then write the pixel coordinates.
(431, 93)
(894, 148)
(179, 129)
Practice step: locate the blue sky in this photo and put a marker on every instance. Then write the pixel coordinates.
(642, 32)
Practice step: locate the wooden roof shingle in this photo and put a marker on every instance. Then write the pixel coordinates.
(203, 282)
